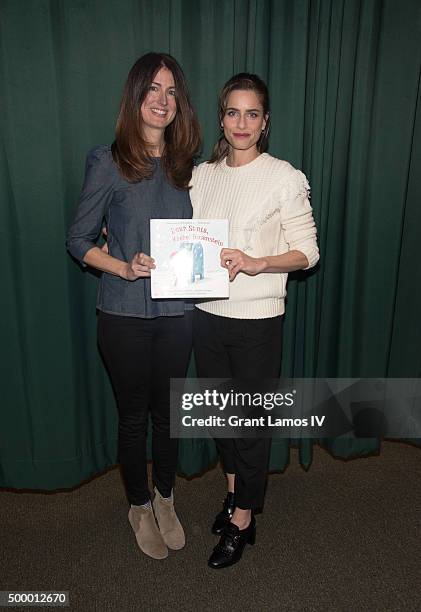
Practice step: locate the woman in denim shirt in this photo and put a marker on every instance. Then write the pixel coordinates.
(144, 174)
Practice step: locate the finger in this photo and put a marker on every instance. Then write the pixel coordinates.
(148, 261)
(227, 257)
(140, 269)
(232, 264)
(144, 260)
(140, 272)
(234, 270)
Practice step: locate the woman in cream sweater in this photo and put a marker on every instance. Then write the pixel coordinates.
(272, 232)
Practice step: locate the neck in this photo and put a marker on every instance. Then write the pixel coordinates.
(155, 141)
(238, 157)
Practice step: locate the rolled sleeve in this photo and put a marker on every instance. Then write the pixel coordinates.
(297, 220)
(94, 199)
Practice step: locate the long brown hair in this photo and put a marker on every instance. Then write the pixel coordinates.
(248, 82)
(182, 136)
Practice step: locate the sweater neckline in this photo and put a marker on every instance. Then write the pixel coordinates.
(247, 166)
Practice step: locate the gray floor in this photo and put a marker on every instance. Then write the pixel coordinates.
(343, 536)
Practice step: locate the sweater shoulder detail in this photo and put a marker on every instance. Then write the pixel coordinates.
(295, 186)
(284, 179)
(290, 182)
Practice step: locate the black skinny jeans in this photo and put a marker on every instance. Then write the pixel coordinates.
(240, 348)
(141, 356)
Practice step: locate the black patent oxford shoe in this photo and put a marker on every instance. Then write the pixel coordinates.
(224, 517)
(231, 545)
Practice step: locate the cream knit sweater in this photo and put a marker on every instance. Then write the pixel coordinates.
(267, 204)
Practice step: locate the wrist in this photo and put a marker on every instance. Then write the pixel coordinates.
(263, 264)
(124, 270)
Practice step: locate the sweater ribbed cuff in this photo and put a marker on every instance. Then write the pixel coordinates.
(312, 255)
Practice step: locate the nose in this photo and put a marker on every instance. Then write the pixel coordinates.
(163, 97)
(241, 121)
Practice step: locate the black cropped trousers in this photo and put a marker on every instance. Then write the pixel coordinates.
(248, 349)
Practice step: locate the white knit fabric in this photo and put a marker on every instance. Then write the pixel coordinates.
(267, 204)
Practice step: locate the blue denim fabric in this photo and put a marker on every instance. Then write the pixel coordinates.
(125, 209)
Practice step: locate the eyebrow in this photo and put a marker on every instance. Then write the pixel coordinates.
(160, 85)
(248, 110)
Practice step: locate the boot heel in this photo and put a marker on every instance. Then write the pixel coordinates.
(252, 537)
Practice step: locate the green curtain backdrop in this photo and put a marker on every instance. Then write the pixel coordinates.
(344, 80)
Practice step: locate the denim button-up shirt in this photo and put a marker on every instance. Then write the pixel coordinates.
(126, 209)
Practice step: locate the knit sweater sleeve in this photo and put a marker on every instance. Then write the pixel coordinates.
(297, 217)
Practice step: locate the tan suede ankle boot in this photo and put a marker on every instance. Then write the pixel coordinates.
(169, 525)
(148, 537)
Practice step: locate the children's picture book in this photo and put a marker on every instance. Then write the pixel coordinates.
(187, 258)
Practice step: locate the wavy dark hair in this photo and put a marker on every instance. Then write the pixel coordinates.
(248, 82)
(182, 136)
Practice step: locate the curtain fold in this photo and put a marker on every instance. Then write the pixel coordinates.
(344, 78)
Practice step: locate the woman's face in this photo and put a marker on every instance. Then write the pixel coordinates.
(244, 120)
(159, 107)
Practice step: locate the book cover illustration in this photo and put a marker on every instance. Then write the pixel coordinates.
(187, 258)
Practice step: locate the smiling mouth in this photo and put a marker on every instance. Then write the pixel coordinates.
(159, 112)
(241, 135)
